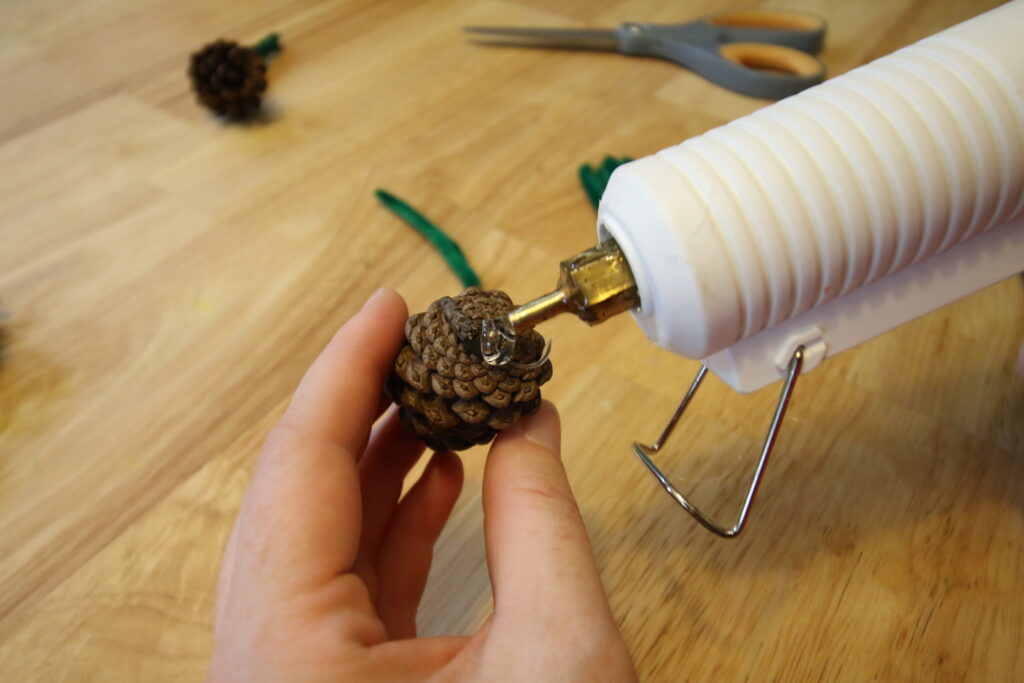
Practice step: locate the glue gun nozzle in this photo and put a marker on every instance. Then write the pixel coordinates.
(532, 313)
(594, 285)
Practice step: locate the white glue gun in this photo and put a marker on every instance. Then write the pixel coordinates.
(766, 245)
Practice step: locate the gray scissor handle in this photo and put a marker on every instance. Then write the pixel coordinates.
(755, 61)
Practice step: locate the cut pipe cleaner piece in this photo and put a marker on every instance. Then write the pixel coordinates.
(448, 248)
(270, 45)
(595, 179)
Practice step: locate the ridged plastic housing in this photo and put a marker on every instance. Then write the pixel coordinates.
(795, 207)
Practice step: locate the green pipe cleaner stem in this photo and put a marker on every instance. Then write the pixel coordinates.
(269, 45)
(448, 248)
(595, 179)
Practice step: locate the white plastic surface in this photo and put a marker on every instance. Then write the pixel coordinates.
(777, 223)
(757, 361)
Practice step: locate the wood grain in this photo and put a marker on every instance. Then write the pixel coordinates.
(165, 280)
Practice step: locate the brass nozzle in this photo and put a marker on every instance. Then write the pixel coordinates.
(594, 285)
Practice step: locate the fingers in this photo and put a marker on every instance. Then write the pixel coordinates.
(340, 396)
(390, 455)
(408, 546)
(302, 514)
(538, 552)
(224, 579)
(413, 660)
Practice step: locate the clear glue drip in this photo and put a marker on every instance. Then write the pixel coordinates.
(497, 341)
(498, 344)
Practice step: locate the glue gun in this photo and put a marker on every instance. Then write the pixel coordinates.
(764, 246)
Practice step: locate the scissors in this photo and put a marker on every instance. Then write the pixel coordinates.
(761, 53)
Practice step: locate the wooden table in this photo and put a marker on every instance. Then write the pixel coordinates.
(166, 279)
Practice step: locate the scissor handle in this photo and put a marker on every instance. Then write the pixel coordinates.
(773, 59)
(755, 69)
(798, 30)
(771, 70)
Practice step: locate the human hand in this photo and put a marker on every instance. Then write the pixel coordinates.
(325, 568)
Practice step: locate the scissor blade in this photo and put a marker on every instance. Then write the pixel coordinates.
(578, 39)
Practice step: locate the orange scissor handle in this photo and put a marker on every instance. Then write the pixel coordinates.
(797, 30)
(758, 18)
(772, 58)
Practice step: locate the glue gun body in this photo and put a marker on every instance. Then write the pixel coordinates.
(835, 215)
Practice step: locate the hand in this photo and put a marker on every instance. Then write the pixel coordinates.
(326, 566)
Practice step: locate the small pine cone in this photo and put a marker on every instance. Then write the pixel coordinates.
(228, 79)
(447, 395)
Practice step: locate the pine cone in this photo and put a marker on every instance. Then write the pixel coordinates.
(447, 395)
(228, 79)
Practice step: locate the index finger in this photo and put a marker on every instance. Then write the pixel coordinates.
(303, 510)
(337, 401)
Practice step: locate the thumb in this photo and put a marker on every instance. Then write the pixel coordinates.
(538, 552)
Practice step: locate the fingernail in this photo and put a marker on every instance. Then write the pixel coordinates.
(373, 297)
(544, 428)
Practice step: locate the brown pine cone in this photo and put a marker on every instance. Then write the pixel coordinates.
(447, 395)
(228, 79)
